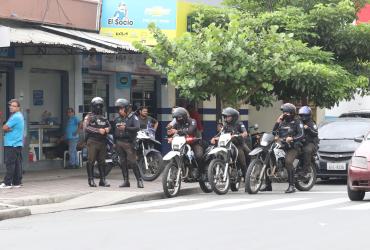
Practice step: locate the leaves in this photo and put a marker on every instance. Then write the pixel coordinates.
(282, 49)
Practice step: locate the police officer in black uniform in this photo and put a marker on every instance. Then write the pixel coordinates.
(311, 139)
(184, 125)
(125, 130)
(96, 128)
(290, 130)
(234, 126)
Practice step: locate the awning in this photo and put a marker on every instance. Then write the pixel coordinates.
(64, 38)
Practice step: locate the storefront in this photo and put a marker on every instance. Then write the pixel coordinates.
(45, 72)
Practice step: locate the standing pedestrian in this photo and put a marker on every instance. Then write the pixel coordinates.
(147, 122)
(13, 143)
(71, 135)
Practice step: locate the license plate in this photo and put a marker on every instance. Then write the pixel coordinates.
(336, 166)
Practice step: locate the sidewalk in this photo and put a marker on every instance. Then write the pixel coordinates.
(67, 189)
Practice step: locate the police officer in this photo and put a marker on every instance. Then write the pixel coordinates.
(234, 126)
(184, 125)
(290, 129)
(126, 127)
(311, 139)
(96, 128)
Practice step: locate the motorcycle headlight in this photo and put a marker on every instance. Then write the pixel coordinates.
(176, 147)
(222, 144)
(359, 162)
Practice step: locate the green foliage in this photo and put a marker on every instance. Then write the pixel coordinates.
(282, 49)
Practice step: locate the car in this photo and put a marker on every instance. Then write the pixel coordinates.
(358, 181)
(338, 141)
(365, 113)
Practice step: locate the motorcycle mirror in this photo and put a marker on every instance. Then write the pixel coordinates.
(256, 126)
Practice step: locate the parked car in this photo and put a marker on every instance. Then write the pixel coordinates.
(358, 181)
(338, 141)
(365, 113)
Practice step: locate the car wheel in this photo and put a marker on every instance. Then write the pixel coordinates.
(355, 195)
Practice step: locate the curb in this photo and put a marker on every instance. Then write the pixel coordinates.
(40, 200)
(155, 196)
(14, 213)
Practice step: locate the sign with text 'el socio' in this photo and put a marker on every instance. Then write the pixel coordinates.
(128, 20)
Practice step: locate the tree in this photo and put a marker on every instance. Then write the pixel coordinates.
(256, 56)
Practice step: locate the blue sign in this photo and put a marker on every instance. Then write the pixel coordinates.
(137, 14)
(38, 97)
(8, 52)
(123, 81)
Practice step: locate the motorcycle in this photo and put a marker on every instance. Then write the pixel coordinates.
(111, 160)
(150, 160)
(182, 166)
(269, 160)
(223, 171)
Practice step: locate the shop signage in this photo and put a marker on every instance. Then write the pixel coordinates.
(123, 81)
(128, 20)
(92, 61)
(132, 63)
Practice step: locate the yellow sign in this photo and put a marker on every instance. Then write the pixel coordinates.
(128, 20)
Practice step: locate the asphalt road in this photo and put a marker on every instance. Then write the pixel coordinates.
(321, 219)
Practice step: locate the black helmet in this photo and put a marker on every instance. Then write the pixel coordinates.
(122, 103)
(180, 114)
(97, 104)
(230, 112)
(289, 108)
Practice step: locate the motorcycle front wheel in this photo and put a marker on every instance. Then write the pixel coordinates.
(216, 176)
(155, 166)
(253, 182)
(170, 185)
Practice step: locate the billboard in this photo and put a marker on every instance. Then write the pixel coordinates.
(128, 20)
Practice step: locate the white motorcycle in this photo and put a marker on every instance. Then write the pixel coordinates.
(182, 166)
(223, 171)
(149, 159)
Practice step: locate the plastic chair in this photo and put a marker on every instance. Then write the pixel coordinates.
(79, 156)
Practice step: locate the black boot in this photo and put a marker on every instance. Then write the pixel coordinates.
(291, 188)
(126, 182)
(90, 175)
(137, 174)
(102, 182)
(268, 186)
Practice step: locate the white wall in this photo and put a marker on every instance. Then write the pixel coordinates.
(356, 104)
(265, 117)
(50, 84)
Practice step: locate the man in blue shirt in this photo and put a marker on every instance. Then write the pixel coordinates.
(72, 137)
(13, 143)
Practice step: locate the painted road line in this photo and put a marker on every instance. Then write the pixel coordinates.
(259, 204)
(313, 205)
(142, 205)
(202, 205)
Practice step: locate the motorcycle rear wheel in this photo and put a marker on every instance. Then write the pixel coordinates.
(170, 187)
(155, 166)
(306, 183)
(216, 172)
(252, 181)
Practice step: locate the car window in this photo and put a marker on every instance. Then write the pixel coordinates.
(359, 115)
(343, 130)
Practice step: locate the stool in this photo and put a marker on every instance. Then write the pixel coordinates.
(79, 156)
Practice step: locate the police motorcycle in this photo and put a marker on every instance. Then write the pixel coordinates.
(150, 160)
(182, 167)
(111, 160)
(223, 171)
(269, 161)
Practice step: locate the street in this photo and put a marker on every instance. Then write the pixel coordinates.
(321, 219)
